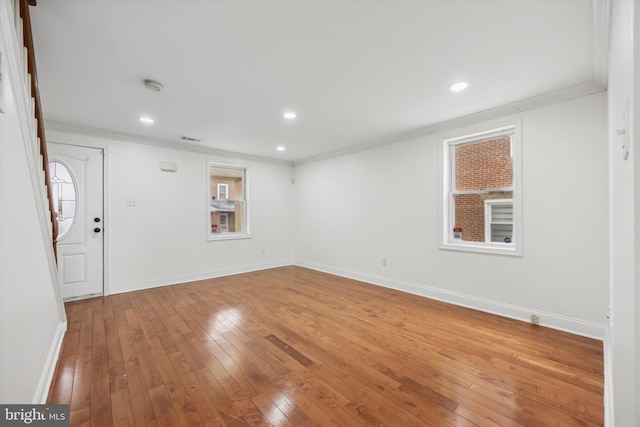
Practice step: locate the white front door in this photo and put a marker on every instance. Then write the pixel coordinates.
(76, 178)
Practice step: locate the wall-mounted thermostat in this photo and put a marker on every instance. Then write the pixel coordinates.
(623, 132)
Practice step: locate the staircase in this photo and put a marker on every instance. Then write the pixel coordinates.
(25, 39)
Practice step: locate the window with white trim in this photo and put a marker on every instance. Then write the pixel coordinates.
(227, 212)
(223, 190)
(481, 191)
(498, 220)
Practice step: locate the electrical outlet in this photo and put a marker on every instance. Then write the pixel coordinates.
(384, 261)
(535, 319)
(264, 251)
(131, 202)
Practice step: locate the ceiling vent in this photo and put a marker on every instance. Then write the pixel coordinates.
(189, 138)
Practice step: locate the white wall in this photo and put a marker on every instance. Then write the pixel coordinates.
(31, 325)
(622, 359)
(353, 210)
(163, 239)
(634, 133)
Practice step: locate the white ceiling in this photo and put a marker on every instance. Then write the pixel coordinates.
(355, 72)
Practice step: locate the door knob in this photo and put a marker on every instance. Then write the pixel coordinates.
(96, 219)
(96, 230)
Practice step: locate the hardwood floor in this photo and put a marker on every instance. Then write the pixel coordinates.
(294, 347)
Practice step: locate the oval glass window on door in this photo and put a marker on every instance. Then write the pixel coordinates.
(63, 187)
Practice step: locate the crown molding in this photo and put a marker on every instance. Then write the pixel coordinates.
(531, 103)
(601, 10)
(577, 91)
(64, 127)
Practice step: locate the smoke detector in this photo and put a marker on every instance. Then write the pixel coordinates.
(153, 85)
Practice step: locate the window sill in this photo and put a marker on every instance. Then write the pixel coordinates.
(228, 236)
(494, 249)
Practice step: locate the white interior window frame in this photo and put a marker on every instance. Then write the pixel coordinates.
(483, 131)
(245, 234)
(488, 216)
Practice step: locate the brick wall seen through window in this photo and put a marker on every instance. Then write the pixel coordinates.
(481, 165)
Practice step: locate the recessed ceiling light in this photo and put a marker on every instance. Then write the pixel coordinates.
(289, 115)
(457, 87)
(280, 148)
(147, 120)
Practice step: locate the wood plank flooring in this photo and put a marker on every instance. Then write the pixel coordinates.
(295, 347)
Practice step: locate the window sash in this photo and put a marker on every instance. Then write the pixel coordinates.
(241, 201)
(450, 239)
(487, 191)
(465, 141)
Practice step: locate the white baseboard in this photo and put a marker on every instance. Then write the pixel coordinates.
(42, 390)
(550, 320)
(119, 288)
(608, 381)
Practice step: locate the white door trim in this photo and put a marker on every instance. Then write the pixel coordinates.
(91, 142)
(81, 248)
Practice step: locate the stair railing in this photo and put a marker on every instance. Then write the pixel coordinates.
(35, 94)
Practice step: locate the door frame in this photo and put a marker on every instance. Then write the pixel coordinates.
(99, 143)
